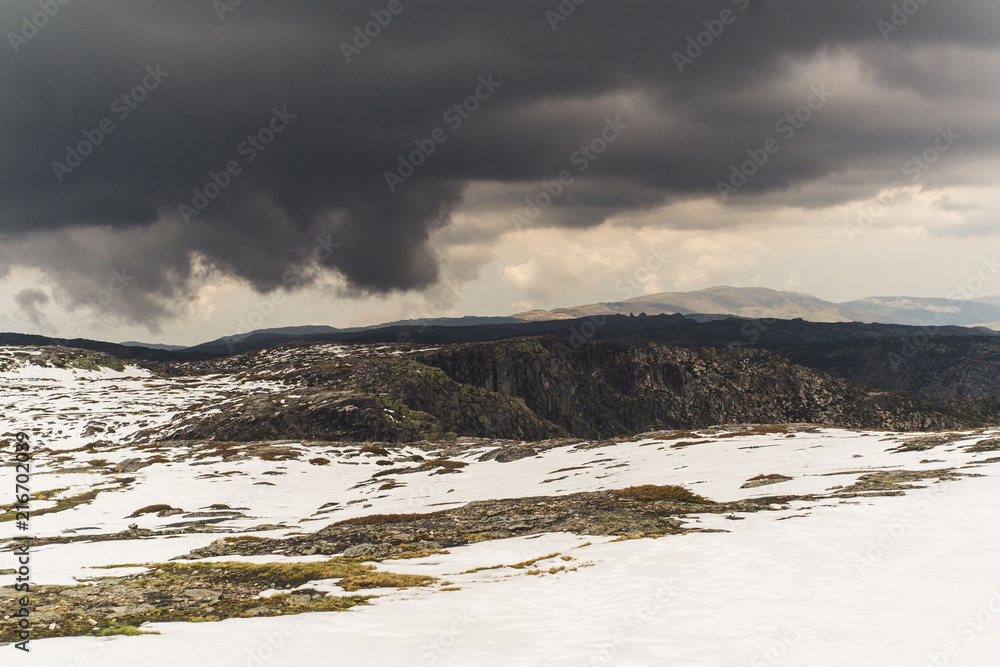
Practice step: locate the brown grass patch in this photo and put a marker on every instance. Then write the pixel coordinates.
(764, 480)
(680, 434)
(568, 469)
(668, 492)
(149, 509)
(756, 430)
(688, 443)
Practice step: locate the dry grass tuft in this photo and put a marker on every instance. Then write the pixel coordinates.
(668, 492)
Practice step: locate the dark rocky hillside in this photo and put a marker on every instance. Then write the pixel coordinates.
(118, 351)
(529, 389)
(601, 389)
(956, 362)
(937, 366)
(702, 331)
(361, 397)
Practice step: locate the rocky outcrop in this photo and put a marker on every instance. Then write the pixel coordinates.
(533, 389)
(588, 513)
(602, 389)
(931, 366)
(385, 400)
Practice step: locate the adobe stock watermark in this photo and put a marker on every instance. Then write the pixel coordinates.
(31, 25)
(562, 12)
(780, 647)
(631, 284)
(249, 149)
(122, 107)
(988, 269)
(579, 336)
(435, 648)
(755, 329)
(628, 286)
(363, 36)
(895, 530)
(449, 295)
(455, 117)
(900, 16)
(605, 652)
(786, 127)
(115, 286)
(714, 28)
(270, 644)
(915, 167)
(224, 7)
(967, 631)
(581, 158)
(291, 280)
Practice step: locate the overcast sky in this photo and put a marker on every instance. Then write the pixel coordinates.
(176, 171)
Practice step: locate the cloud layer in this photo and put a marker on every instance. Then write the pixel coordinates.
(244, 143)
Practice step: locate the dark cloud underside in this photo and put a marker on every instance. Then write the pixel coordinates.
(323, 176)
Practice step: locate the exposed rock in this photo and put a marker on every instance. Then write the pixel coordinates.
(132, 465)
(985, 445)
(173, 511)
(200, 594)
(602, 389)
(536, 389)
(363, 550)
(594, 513)
(896, 482)
(922, 443)
(764, 480)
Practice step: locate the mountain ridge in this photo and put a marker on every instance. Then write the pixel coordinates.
(757, 302)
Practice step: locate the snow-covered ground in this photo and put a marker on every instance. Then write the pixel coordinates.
(66, 408)
(866, 580)
(769, 593)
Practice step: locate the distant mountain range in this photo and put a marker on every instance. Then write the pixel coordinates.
(686, 308)
(942, 363)
(757, 302)
(153, 346)
(703, 305)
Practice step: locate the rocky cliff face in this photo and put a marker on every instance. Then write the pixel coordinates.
(361, 396)
(532, 389)
(932, 366)
(599, 389)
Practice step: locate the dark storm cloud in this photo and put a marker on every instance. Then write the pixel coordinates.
(31, 301)
(196, 88)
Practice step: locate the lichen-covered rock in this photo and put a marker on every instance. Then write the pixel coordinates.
(589, 513)
(132, 465)
(366, 550)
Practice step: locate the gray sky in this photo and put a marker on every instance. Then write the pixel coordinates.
(176, 171)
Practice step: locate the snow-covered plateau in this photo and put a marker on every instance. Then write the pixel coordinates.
(800, 545)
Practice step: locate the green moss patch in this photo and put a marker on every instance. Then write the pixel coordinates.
(7, 512)
(198, 592)
(897, 482)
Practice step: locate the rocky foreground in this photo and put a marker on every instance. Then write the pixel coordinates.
(170, 495)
